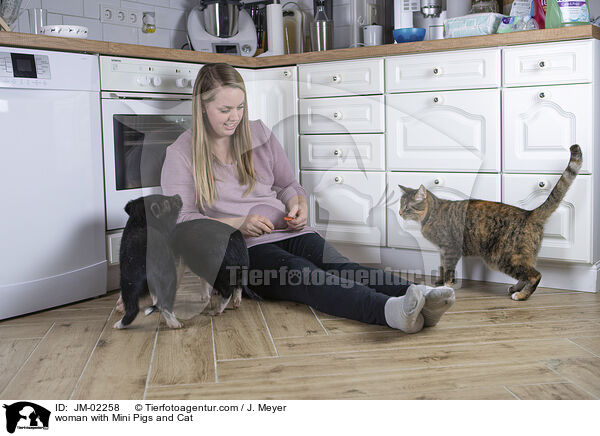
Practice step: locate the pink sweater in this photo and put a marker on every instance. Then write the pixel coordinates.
(275, 184)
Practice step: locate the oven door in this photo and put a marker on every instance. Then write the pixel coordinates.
(137, 129)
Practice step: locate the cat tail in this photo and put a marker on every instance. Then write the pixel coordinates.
(560, 190)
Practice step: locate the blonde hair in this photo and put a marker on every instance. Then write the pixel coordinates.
(210, 78)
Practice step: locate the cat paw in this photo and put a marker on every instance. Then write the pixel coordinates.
(120, 306)
(119, 325)
(176, 324)
(519, 296)
(237, 302)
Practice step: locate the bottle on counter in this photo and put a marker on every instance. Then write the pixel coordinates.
(566, 13)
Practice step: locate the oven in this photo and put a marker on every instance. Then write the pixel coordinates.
(146, 105)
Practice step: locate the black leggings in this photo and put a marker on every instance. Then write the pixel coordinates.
(306, 269)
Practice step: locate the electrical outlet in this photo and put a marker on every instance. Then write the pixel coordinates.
(124, 17)
(371, 14)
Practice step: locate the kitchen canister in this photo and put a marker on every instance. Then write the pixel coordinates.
(373, 35)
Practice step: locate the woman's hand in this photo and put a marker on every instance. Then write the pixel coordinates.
(298, 211)
(255, 225)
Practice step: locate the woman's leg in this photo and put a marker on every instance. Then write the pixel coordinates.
(313, 247)
(278, 274)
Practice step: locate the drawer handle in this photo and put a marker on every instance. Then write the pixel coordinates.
(542, 64)
(438, 182)
(337, 152)
(336, 78)
(437, 71)
(287, 73)
(338, 179)
(337, 115)
(437, 100)
(542, 184)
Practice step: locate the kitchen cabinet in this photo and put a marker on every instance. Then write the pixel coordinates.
(347, 206)
(343, 152)
(568, 231)
(444, 130)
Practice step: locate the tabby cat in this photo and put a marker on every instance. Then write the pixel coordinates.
(506, 237)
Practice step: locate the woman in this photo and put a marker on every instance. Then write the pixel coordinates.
(234, 170)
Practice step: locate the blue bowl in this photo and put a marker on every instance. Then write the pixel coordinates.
(409, 34)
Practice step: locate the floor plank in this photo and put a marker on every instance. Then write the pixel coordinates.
(13, 354)
(289, 319)
(582, 371)
(118, 367)
(536, 300)
(185, 355)
(550, 391)
(351, 363)
(24, 331)
(591, 344)
(55, 366)
(439, 335)
(397, 385)
(242, 333)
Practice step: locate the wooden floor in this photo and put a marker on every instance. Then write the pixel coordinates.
(487, 347)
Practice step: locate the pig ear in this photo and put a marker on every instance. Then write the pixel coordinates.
(405, 189)
(421, 193)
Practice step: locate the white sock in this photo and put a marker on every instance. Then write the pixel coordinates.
(404, 313)
(437, 301)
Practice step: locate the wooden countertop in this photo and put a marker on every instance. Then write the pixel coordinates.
(26, 40)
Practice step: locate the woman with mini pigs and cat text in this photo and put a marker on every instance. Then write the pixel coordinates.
(234, 170)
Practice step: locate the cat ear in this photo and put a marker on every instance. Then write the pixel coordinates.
(421, 193)
(405, 189)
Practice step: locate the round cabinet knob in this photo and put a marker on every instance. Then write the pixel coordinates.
(438, 181)
(337, 153)
(437, 100)
(143, 80)
(336, 78)
(542, 184)
(542, 64)
(287, 74)
(156, 81)
(437, 71)
(182, 82)
(338, 179)
(337, 115)
(542, 95)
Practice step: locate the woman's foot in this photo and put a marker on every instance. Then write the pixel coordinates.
(404, 313)
(437, 301)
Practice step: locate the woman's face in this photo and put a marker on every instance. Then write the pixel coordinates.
(225, 111)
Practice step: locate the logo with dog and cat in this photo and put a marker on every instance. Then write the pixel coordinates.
(26, 416)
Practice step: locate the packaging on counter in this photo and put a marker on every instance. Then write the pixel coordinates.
(540, 12)
(516, 24)
(566, 13)
(472, 25)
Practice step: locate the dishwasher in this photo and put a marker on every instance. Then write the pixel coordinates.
(52, 216)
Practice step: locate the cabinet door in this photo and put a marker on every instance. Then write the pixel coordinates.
(350, 152)
(347, 206)
(407, 234)
(455, 130)
(342, 115)
(568, 231)
(463, 69)
(332, 79)
(548, 63)
(542, 122)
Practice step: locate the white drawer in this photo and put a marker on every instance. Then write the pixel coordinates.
(463, 69)
(453, 130)
(347, 206)
(407, 234)
(550, 63)
(343, 152)
(540, 124)
(342, 115)
(332, 79)
(568, 231)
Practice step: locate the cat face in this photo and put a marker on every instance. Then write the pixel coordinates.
(413, 204)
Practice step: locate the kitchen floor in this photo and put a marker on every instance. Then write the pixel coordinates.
(487, 347)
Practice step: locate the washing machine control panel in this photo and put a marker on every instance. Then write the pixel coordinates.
(24, 66)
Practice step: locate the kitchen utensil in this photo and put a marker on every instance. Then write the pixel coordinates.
(409, 34)
(373, 35)
(293, 25)
(38, 18)
(321, 29)
(65, 30)
(220, 17)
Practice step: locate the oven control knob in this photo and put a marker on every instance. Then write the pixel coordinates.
(156, 81)
(182, 82)
(143, 80)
